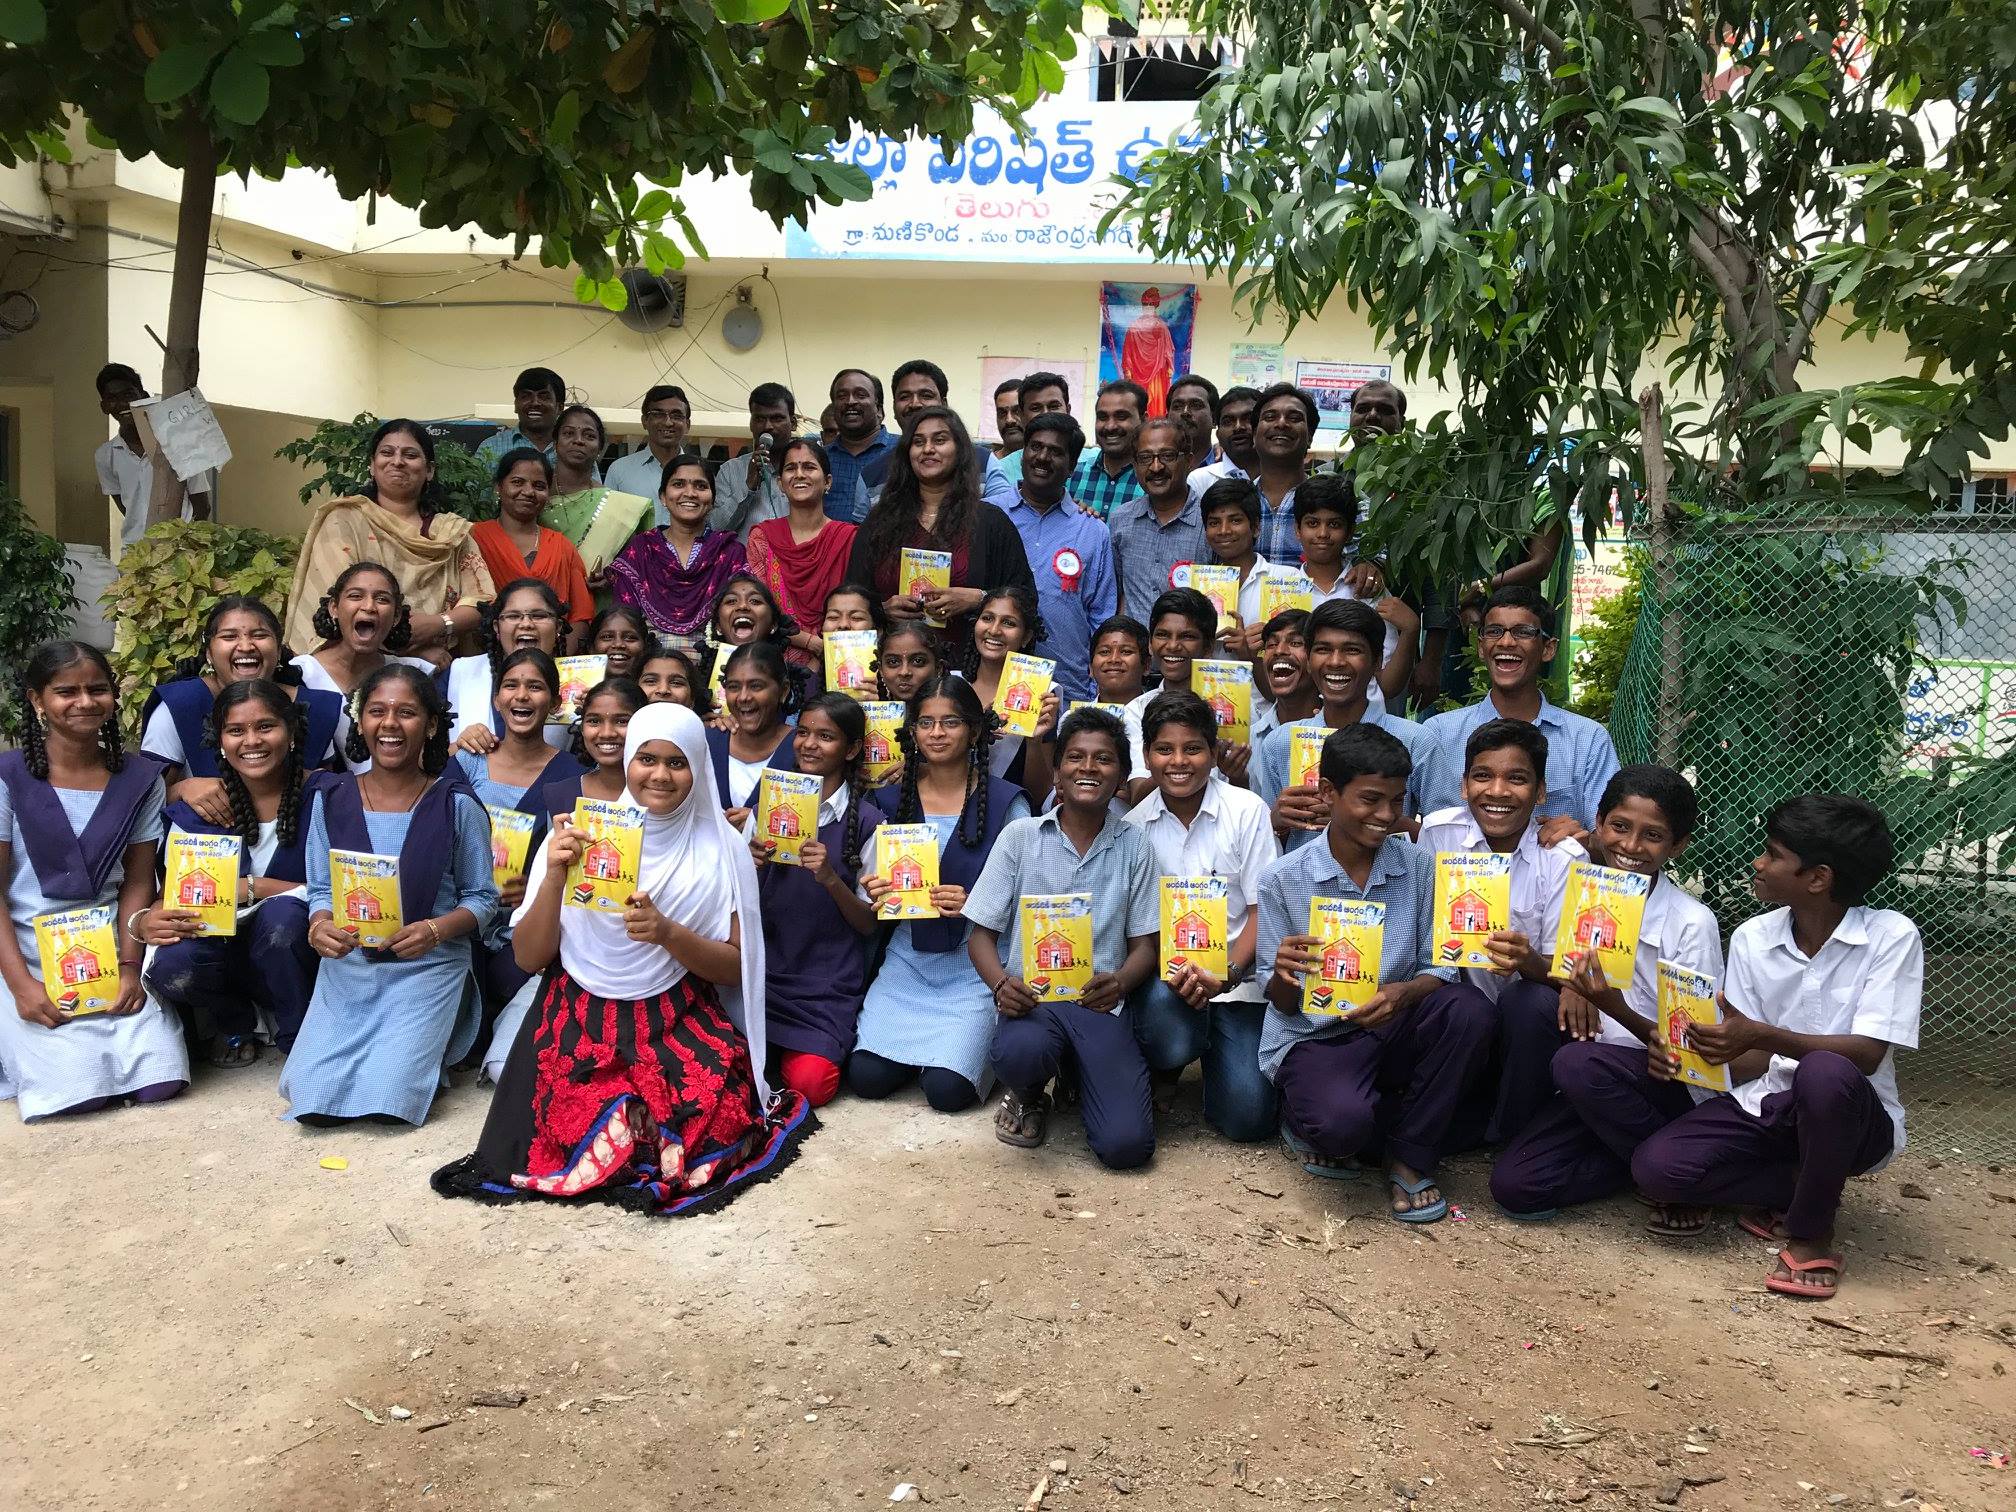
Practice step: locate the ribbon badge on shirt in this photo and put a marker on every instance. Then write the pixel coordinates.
(1069, 568)
(1179, 575)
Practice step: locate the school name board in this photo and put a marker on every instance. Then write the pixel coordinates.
(996, 199)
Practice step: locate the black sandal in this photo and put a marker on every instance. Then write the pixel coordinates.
(225, 1050)
(1023, 1121)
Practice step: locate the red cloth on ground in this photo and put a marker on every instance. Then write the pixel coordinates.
(812, 1076)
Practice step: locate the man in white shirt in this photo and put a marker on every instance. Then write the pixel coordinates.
(1819, 995)
(1235, 456)
(668, 417)
(1201, 826)
(125, 473)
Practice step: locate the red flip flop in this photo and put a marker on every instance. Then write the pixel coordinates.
(1774, 1231)
(1792, 1286)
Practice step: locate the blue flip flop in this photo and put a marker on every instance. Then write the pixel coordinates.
(1319, 1165)
(1538, 1215)
(1435, 1212)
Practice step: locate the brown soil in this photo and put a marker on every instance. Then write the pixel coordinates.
(189, 1299)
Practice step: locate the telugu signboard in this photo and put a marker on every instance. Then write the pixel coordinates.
(996, 199)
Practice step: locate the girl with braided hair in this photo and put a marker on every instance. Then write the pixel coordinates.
(815, 926)
(622, 634)
(597, 744)
(361, 624)
(1008, 621)
(760, 693)
(241, 641)
(223, 985)
(383, 1022)
(927, 1015)
(80, 822)
(526, 615)
(673, 676)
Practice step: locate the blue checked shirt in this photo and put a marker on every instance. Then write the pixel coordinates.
(1267, 774)
(1146, 552)
(847, 493)
(1278, 541)
(1097, 492)
(1580, 760)
(1069, 614)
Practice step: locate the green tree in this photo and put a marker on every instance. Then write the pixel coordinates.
(567, 121)
(1540, 205)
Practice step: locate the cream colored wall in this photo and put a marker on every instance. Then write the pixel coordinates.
(47, 376)
(258, 488)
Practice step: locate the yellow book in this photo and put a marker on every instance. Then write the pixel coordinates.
(578, 677)
(1056, 937)
(787, 813)
(1687, 997)
(850, 663)
(1601, 911)
(906, 856)
(1221, 586)
(604, 875)
(1019, 699)
(883, 753)
(1118, 711)
(1473, 900)
(920, 570)
(510, 842)
(1228, 687)
(1353, 936)
(1194, 928)
(716, 669)
(79, 952)
(364, 896)
(202, 876)
(1305, 754)
(1282, 588)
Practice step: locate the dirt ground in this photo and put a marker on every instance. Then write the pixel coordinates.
(194, 1314)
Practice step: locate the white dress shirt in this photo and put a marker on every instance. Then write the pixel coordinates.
(1539, 881)
(1231, 837)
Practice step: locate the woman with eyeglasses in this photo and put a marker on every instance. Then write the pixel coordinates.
(525, 616)
(515, 545)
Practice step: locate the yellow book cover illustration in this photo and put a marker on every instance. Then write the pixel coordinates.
(202, 876)
(1019, 699)
(364, 896)
(1228, 687)
(1118, 711)
(1194, 924)
(850, 663)
(906, 856)
(715, 671)
(1281, 589)
(787, 813)
(919, 570)
(1353, 936)
(510, 842)
(1473, 900)
(1056, 938)
(882, 753)
(578, 676)
(1688, 997)
(1221, 586)
(1305, 753)
(604, 875)
(79, 952)
(1601, 911)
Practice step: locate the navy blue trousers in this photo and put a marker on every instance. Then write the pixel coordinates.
(219, 985)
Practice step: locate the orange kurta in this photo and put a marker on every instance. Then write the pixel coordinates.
(556, 563)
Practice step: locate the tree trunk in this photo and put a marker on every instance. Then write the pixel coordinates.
(185, 297)
(1665, 542)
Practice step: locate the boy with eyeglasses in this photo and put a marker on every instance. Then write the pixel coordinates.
(1517, 643)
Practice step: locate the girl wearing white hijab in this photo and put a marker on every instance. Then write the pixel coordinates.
(638, 1078)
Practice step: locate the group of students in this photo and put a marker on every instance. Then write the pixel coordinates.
(667, 1052)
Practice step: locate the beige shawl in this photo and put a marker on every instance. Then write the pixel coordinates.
(436, 571)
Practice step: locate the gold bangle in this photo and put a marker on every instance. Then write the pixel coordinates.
(435, 930)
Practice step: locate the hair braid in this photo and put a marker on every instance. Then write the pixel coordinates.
(976, 781)
(33, 750)
(911, 809)
(112, 744)
(292, 778)
(244, 817)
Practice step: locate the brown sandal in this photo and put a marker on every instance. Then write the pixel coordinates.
(1023, 1121)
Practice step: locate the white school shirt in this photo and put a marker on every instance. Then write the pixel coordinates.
(1231, 837)
(1868, 979)
(126, 475)
(1539, 881)
(1680, 928)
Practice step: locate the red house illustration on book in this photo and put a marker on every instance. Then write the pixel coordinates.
(603, 861)
(907, 875)
(1018, 699)
(1342, 962)
(878, 746)
(1596, 929)
(77, 964)
(850, 674)
(500, 853)
(1223, 711)
(198, 890)
(1468, 915)
(1054, 953)
(783, 823)
(1192, 933)
(361, 904)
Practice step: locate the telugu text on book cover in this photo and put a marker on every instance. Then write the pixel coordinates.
(510, 841)
(850, 663)
(1687, 997)
(1601, 910)
(1351, 937)
(202, 876)
(1228, 687)
(1056, 939)
(1305, 753)
(1025, 682)
(787, 813)
(1194, 924)
(604, 875)
(883, 752)
(920, 570)
(1473, 901)
(906, 856)
(364, 894)
(578, 677)
(79, 951)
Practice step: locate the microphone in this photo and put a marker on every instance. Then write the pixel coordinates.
(765, 444)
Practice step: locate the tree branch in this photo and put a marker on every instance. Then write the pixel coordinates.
(1532, 25)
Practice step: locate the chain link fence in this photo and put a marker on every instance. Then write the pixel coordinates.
(1873, 656)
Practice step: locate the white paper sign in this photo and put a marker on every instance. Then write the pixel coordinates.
(184, 426)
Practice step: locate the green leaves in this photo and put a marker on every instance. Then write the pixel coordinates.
(177, 71)
(240, 88)
(750, 12)
(23, 21)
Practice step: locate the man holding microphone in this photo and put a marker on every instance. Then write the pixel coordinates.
(745, 489)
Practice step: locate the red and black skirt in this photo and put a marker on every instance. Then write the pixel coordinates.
(650, 1104)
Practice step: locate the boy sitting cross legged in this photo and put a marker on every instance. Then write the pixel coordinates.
(1504, 780)
(1819, 995)
(1202, 826)
(1393, 1070)
(1080, 846)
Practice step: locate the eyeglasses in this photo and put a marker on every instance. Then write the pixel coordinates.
(664, 414)
(1160, 456)
(1524, 634)
(949, 723)
(528, 617)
